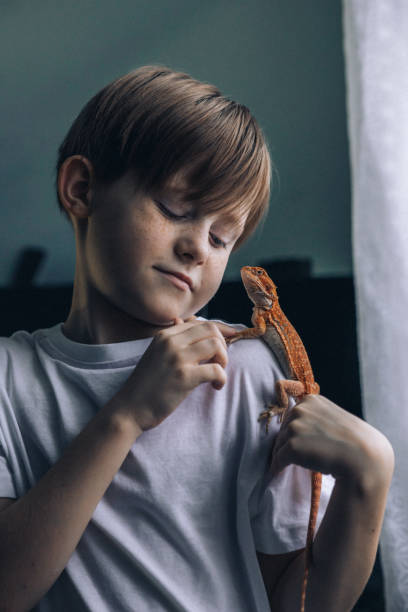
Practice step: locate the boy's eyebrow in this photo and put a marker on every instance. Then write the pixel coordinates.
(177, 185)
(176, 192)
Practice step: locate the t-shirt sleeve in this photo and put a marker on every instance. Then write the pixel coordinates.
(7, 488)
(280, 522)
(279, 505)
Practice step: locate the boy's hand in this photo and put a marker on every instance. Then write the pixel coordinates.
(178, 359)
(320, 436)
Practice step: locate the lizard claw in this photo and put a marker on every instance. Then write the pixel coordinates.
(271, 412)
(266, 414)
(233, 338)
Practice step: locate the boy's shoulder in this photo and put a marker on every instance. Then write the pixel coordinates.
(17, 348)
(252, 355)
(18, 340)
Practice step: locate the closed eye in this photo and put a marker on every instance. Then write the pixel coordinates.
(218, 242)
(171, 215)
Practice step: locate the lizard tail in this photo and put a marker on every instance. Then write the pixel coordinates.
(316, 478)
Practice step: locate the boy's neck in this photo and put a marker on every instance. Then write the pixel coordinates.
(94, 320)
(79, 330)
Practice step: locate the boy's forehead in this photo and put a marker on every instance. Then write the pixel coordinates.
(178, 185)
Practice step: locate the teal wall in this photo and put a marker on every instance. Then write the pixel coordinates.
(282, 58)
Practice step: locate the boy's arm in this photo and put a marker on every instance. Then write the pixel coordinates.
(346, 543)
(6, 501)
(41, 529)
(343, 552)
(273, 567)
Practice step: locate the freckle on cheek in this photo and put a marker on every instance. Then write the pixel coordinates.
(154, 224)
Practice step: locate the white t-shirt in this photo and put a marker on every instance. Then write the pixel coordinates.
(180, 524)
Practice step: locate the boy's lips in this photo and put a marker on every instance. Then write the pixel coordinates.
(186, 280)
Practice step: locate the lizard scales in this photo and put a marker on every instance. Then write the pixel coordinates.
(292, 357)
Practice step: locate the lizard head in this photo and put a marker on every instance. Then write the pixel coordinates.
(259, 286)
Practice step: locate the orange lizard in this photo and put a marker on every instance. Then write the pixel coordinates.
(271, 324)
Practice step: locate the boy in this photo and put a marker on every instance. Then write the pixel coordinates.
(134, 474)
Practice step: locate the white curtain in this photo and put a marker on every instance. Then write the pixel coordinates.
(376, 54)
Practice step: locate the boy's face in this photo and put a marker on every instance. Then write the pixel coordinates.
(154, 257)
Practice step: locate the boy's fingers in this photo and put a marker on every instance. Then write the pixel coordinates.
(213, 373)
(281, 458)
(179, 326)
(197, 330)
(208, 349)
(226, 330)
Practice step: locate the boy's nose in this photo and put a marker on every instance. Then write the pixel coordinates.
(192, 246)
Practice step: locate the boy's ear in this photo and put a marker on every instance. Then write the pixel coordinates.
(75, 182)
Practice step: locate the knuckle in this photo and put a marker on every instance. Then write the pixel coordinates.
(220, 354)
(212, 327)
(221, 342)
(216, 343)
(162, 339)
(293, 427)
(180, 373)
(176, 361)
(160, 335)
(297, 411)
(216, 369)
(220, 372)
(210, 345)
(293, 445)
(169, 344)
(222, 345)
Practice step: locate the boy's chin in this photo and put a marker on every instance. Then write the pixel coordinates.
(161, 319)
(161, 315)
(168, 319)
(168, 322)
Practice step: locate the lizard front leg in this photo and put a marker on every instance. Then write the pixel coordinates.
(284, 389)
(257, 331)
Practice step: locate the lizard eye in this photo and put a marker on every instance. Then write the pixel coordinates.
(259, 272)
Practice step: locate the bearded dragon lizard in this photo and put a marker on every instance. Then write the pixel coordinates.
(271, 324)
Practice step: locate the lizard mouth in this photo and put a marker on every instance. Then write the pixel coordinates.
(250, 283)
(256, 291)
(252, 286)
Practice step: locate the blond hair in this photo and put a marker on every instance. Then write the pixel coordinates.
(157, 122)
